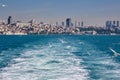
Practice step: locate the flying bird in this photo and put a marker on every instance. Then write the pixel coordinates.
(116, 54)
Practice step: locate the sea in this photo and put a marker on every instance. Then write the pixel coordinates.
(59, 57)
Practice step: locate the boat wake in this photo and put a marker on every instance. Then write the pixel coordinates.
(53, 61)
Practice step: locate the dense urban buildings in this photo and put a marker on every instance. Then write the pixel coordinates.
(112, 25)
(76, 27)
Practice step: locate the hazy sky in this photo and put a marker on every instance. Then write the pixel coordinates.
(92, 12)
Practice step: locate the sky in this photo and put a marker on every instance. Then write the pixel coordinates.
(91, 12)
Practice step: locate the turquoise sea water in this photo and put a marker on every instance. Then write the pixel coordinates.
(59, 57)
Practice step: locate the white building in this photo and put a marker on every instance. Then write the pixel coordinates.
(23, 24)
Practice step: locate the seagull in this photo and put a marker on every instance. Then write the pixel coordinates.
(116, 54)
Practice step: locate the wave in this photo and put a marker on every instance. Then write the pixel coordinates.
(53, 61)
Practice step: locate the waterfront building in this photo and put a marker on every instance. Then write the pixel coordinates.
(68, 22)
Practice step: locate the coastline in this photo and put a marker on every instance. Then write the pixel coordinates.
(60, 34)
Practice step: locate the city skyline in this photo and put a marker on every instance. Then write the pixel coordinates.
(91, 12)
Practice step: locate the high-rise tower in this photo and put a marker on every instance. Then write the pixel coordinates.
(68, 22)
(10, 20)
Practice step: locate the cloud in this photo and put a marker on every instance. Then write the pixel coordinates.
(2, 5)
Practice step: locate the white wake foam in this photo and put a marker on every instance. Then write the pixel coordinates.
(49, 62)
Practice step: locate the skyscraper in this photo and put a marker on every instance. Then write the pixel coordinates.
(79, 24)
(57, 24)
(82, 24)
(108, 24)
(114, 24)
(118, 23)
(63, 24)
(10, 20)
(32, 21)
(68, 22)
(76, 24)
